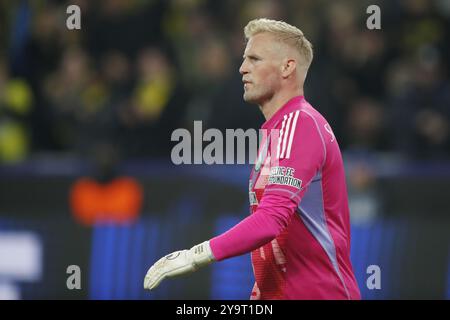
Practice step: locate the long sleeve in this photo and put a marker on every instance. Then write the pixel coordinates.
(272, 216)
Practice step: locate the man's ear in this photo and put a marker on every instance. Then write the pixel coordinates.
(289, 66)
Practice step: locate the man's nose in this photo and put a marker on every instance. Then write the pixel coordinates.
(243, 68)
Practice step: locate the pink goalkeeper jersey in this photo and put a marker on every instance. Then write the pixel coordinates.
(299, 229)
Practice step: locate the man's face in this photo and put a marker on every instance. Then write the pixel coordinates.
(261, 68)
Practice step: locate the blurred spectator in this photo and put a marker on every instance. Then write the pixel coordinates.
(79, 98)
(125, 26)
(421, 110)
(365, 127)
(16, 103)
(155, 107)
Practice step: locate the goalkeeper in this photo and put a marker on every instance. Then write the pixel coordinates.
(299, 230)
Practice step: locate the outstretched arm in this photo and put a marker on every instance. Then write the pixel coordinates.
(271, 217)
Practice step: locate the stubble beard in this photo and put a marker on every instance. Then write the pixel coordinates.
(253, 96)
(256, 96)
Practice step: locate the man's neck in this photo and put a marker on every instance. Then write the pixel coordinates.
(270, 107)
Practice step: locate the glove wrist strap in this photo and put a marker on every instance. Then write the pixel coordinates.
(202, 254)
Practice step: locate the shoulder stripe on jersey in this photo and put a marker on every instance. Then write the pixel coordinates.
(281, 136)
(286, 135)
(291, 135)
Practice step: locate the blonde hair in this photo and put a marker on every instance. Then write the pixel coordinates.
(284, 33)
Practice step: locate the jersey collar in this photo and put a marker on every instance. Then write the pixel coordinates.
(286, 108)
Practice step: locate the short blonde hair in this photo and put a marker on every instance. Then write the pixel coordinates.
(285, 33)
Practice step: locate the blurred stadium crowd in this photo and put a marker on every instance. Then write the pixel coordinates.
(138, 69)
